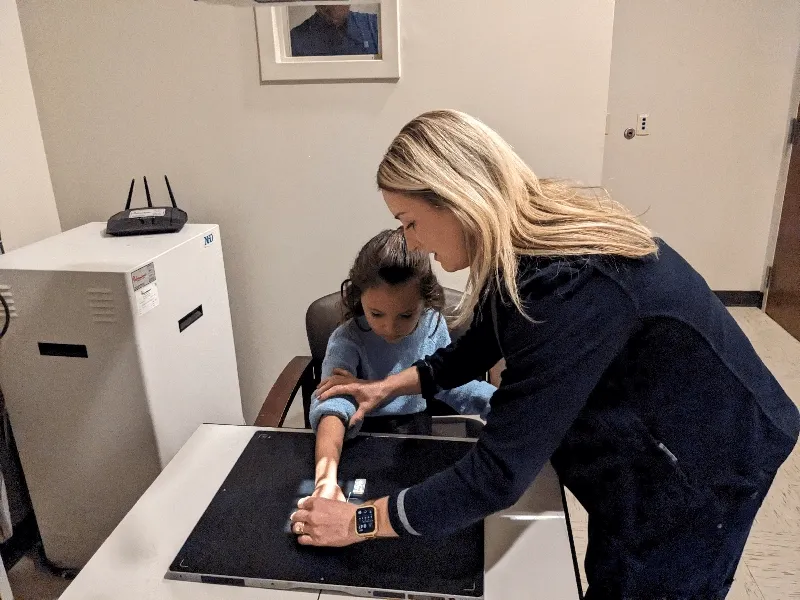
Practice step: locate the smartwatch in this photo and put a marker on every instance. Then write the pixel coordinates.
(366, 521)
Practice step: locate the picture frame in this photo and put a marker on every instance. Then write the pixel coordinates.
(300, 42)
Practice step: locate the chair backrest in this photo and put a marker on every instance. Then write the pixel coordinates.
(325, 314)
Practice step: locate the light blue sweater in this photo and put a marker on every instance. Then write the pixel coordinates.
(368, 356)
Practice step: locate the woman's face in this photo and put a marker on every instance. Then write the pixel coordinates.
(429, 229)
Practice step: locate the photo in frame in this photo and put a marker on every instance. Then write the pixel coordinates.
(313, 41)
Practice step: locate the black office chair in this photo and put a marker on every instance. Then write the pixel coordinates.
(303, 373)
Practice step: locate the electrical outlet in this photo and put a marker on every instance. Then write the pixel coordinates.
(643, 124)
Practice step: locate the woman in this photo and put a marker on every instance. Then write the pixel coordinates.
(622, 368)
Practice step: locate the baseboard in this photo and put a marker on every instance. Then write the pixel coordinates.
(741, 298)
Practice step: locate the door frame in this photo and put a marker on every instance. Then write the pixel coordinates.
(790, 174)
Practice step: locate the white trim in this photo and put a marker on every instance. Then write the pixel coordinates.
(299, 586)
(547, 516)
(401, 511)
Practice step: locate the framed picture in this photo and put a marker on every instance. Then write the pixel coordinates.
(328, 40)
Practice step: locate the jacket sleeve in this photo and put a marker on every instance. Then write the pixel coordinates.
(557, 361)
(468, 358)
(473, 397)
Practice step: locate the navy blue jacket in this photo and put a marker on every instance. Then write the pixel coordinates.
(633, 379)
(316, 37)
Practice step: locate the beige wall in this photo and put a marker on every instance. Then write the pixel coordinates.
(153, 86)
(27, 207)
(716, 78)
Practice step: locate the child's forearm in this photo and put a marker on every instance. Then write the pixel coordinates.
(330, 437)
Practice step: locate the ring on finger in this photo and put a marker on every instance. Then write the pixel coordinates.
(300, 528)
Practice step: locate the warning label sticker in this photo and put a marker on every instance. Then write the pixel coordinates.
(147, 298)
(144, 276)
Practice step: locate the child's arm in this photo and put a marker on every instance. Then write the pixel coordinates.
(329, 419)
(330, 436)
(342, 353)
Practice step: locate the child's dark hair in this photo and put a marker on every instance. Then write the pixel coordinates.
(385, 259)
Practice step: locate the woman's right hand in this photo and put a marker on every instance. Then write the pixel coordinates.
(368, 394)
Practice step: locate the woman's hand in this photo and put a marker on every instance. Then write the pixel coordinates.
(338, 377)
(324, 522)
(368, 394)
(329, 490)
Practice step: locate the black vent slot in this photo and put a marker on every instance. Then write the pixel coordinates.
(68, 350)
(222, 580)
(190, 318)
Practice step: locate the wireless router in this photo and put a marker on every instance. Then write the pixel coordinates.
(150, 220)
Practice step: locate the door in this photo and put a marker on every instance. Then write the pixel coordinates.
(783, 298)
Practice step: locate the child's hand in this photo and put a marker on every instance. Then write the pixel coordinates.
(329, 490)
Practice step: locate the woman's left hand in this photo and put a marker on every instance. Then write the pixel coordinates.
(368, 394)
(337, 377)
(323, 522)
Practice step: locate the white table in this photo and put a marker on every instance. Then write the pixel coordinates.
(528, 553)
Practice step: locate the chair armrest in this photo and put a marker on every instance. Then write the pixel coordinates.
(279, 398)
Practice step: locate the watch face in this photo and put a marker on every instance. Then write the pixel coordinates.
(365, 520)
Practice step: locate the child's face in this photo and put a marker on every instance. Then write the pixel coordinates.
(393, 311)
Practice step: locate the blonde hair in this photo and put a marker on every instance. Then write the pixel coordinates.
(454, 161)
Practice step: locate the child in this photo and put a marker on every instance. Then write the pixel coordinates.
(392, 304)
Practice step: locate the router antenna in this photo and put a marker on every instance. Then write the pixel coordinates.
(171, 196)
(147, 190)
(130, 194)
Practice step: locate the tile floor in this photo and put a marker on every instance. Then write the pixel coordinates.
(770, 569)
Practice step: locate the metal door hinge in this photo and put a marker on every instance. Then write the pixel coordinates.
(768, 278)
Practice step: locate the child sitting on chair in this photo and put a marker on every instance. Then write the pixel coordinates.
(392, 304)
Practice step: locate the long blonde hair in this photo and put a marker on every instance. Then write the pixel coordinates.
(456, 162)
